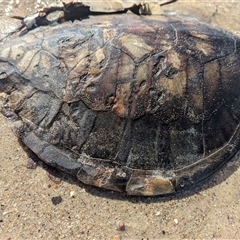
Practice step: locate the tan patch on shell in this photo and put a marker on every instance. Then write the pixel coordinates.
(135, 45)
(149, 183)
(123, 94)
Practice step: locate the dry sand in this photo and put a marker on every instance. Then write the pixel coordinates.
(209, 211)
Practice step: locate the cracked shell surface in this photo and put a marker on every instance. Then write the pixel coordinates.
(143, 105)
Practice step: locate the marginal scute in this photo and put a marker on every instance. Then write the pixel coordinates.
(149, 183)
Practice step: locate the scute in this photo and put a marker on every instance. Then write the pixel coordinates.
(143, 105)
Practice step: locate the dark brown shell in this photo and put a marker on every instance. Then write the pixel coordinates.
(146, 105)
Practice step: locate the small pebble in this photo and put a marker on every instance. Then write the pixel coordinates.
(175, 221)
(72, 194)
(56, 186)
(56, 200)
(157, 213)
(31, 164)
(117, 237)
(120, 225)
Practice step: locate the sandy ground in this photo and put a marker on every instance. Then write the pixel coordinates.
(28, 197)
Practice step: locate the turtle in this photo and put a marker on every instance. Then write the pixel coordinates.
(141, 104)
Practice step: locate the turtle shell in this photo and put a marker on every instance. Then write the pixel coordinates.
(143, 105)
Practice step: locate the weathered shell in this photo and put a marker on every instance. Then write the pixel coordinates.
(146, 105)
